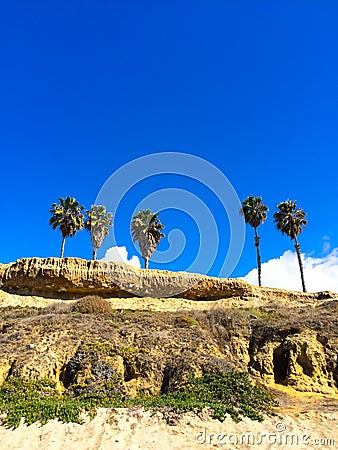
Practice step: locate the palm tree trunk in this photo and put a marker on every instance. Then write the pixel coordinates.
(145, 263)
(259, 263)
(299, 256)
(94, 254)
(62, 246)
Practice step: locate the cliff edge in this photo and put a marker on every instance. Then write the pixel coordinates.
(75, 277)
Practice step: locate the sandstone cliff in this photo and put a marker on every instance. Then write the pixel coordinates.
(282, 338)
(153, 351)
(74, 277)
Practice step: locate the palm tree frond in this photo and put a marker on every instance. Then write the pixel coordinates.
(254, 211)
(67, 216)
(145, 229)
(98, 223)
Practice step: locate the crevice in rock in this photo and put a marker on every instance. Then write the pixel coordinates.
(168, 375)
(304, 361)
(69, 371)
(281, 358)
(62, 375)
(129, 371)
(335, 375)
(11, 370)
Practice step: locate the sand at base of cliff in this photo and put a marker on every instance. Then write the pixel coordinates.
(129, 429)
(149, 303)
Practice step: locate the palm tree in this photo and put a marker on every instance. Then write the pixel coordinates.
(67, 216)
(145, 228)
(254, 212)
(290, 221)
(98, 223)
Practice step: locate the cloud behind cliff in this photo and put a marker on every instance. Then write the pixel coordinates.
(120, 254)
(321, 274)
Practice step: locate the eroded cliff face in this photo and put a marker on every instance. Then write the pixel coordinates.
(297, 359)
(280, 337)
(74, 277)
(150, 351)
(153, 351)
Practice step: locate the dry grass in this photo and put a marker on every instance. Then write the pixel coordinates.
(92, 304)
(221, 324)
(62, 307)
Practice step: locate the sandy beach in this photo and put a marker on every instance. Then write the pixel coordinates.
(131, 429)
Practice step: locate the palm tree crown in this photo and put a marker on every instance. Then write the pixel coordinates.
(290, 220)
(255, 212)
(98, 223)
(67, 216)
(146, 230)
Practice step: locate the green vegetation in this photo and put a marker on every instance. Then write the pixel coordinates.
(67, 216)
(254, 212)
(259, 313)
(97, 223)
(36, 401)
(289, 220)
(230, 393)
(145, 229)
(184, 321)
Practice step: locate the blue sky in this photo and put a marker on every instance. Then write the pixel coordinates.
(87, 87)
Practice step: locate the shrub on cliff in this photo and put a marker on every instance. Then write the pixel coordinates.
(92, 304)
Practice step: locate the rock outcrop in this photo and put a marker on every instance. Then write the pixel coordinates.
(298, 360)
(74, 277)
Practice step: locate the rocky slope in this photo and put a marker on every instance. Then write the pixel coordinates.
(282, 338)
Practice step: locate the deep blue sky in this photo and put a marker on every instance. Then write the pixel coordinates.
(252, 87)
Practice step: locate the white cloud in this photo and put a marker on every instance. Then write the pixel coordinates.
(321, 274)
(326, 244)
(120, 254)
